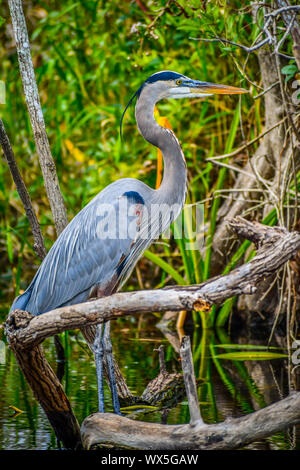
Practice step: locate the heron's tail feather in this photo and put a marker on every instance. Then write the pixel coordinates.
(21, 301)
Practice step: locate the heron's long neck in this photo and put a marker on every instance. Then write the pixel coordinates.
(173, 187)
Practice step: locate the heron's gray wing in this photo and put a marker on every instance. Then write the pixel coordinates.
(154, 220)
(88, 253)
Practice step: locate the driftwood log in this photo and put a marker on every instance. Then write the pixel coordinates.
(232, 433)
(25, 333)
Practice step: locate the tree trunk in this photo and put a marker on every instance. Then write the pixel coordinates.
(36, 116)
(45, 385)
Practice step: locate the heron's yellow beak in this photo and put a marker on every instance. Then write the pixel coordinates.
(214, 89)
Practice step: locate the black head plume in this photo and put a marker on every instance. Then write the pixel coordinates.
(137, 93)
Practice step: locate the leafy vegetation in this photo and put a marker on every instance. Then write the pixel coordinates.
(90, 57)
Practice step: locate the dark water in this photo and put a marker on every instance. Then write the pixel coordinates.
(226, 387)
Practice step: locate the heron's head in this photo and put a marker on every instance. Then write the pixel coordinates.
(169, 84)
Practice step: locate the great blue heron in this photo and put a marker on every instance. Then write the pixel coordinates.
(99, 248)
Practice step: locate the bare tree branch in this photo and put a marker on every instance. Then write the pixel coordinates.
(241, 46)
(292, 29)
(39, 245)
(291, 24)
(281, 10)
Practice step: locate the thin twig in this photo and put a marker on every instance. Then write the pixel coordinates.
(231, 167)
(241, 46)
(144, 9)
(251, 142)
(286, 33)
(266, 91)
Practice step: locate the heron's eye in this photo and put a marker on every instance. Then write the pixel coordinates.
(178, 82)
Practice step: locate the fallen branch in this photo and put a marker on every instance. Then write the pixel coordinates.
(107, 428)
(277, 246)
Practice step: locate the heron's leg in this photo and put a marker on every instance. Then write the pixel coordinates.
(107, 346)
(98, 353)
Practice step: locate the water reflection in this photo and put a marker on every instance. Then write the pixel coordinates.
(227, 388)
